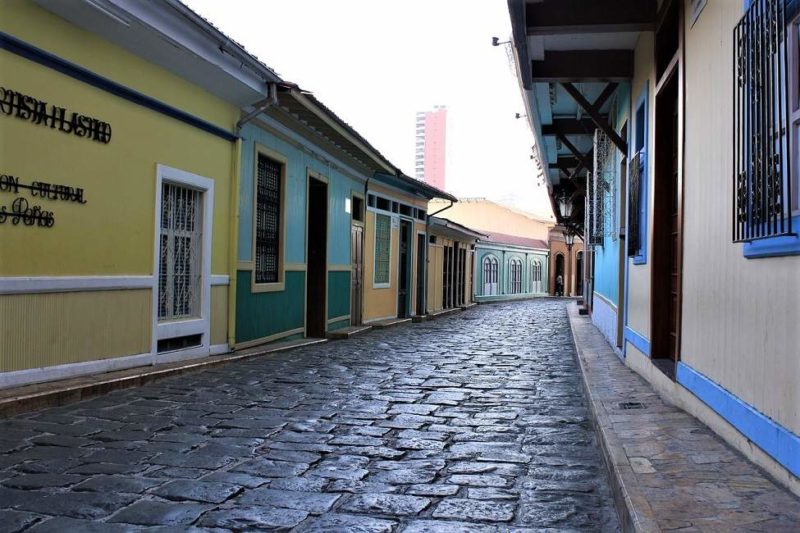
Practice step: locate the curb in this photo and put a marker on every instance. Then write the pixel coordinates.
(58, 393)
(633, 508)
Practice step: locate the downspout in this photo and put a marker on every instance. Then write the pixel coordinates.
(233, 259)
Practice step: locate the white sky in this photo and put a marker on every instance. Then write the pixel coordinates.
(376, 63)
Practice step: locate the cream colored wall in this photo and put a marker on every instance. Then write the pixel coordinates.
(740, 317)
(488, 216)
(639, 275)
(39, 330)
(435, 269)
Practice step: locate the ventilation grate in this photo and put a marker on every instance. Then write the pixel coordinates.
(631, 405)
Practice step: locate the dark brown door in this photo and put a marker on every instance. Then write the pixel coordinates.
(317, 252)
(421, 246)
(666, 232)
(356, 274)
(404, 270)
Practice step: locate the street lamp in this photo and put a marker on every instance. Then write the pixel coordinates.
(565, 206)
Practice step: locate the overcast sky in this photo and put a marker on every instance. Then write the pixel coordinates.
(376, 63)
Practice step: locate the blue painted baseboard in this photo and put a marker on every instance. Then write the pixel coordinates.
(635, 338)
(776, 440)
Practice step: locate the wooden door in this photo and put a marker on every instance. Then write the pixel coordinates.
(404, 270)
(421, 259)
(356, 274)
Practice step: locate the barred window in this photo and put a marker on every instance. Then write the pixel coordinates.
(383, 241)
(762, 123)
(268, 220)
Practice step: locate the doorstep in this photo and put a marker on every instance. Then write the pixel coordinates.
(443, 312)
(470, 305)
(389, 322)
(16, 400)
(667, 469)
(346, 333)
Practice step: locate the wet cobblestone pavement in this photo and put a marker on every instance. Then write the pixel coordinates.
(473, 422)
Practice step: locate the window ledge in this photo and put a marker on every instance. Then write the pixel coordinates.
(639, 260)
(775, 246)
(267, 287)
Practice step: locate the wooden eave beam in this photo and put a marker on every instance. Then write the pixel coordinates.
(569, 126)
(593, 111)
(582, 158)
(589, 16)
(583, 65)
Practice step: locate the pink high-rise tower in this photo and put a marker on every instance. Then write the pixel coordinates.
(430, 149)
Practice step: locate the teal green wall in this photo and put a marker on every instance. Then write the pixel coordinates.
(338, 294)
(504, 256)
(262, 314)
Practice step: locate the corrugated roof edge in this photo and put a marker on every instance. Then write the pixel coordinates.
(429, 191)
(455, 225)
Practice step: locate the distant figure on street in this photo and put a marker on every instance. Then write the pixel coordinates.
(559, 285)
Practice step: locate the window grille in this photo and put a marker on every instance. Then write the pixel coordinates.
(383, 235)
(268, 220)
(603, 193)
(636, 204)
(762, 191)
(180, 252)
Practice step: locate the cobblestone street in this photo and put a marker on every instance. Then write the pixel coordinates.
(473, 422)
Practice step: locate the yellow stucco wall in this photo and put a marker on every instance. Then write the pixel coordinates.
(489, 216)
(39, 330)
(381, 302)
(639, 275)
(112, 234)
(740, 317)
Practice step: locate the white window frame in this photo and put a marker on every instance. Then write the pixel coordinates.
(193, 326)
(793, 50)
(376, 284)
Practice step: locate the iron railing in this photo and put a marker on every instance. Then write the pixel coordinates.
(761, 144)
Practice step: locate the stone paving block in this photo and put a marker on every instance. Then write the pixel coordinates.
(40, 481)
(357, 487)
(340, 523)
(73, 525)
(435, 489)
(459, 508)
(270, 468)
(300, 484)
(198, 491)
(442, 526)
(310, 502)
(391, 504)
(479, 480)
(117, 484)
(252, 518)
(13, 521)
(89, 505)
(154, 513)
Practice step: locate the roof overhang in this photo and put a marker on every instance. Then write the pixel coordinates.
(169, 34)
(571, 55)
(412, 186)
(452, 230)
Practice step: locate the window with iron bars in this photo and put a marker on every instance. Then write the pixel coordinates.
(516, 276)
(268, 220)
(383, 241)
(762, 117)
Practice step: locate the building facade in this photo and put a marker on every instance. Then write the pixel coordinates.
(431, 144)
(694, 254)
(566, 261)
(451, 259)
(395, 247)
(116, 198)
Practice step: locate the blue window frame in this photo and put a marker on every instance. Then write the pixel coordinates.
(637, 187)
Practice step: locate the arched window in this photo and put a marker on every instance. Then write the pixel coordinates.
(516, 276)
(536, 277)
(490, 275)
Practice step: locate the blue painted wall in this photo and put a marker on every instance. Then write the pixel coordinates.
(607, 271)
(504, 256)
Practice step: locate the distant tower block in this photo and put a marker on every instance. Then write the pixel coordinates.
(430, 148)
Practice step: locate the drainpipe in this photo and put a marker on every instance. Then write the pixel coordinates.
(260, 107)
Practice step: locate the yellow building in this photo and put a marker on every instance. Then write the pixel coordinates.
(451, 259)
(118, 149)
(395, 247)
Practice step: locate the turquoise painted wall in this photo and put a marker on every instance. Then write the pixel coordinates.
(504, 256)
(607, 272)
(340, 187)
(269, 313)
(260, 315)
(338, 294)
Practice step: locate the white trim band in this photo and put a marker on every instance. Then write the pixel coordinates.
(44, 284)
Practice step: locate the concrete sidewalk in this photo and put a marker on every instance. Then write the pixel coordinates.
(668, 470)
